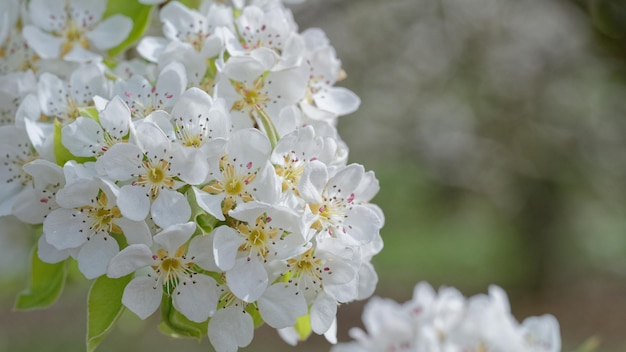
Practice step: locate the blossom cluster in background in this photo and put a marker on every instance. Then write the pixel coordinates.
(447, 321)
(204, 176)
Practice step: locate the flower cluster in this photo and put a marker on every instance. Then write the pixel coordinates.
(447, 321)
(206, 175)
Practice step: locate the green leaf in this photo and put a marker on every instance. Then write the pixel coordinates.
(104, 308)
(90, 112)
(46, 283)
(192, 4)
(254, 313)
(303, 326)
(205, 221)
(139, 13)
(174, 324)
(61, 154)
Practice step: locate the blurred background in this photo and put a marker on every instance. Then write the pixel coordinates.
(497, 129)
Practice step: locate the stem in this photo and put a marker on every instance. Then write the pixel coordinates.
(268, 125)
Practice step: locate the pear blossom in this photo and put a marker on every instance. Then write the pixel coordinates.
(249, 90)
(191, 38)
(143, 98)
(279, 306)
(63, 100)
(172, 270)
(36, 202)
(86, 137)
(149, 170)
(447, 321)
(339, 203)
(14, 88)
(73, 30)
(324, 101)
(240, 172)
(87, 217)
(265, 235)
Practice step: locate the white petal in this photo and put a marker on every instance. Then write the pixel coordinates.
(312, 181)
(210, 203)
(83, 137)
(230, 328)
(110, 32)
(175, 236)
(52, 94)
(48, 253)
(115, 118)
(150, 48)
(171, 83)
(338, 100)
(78, 194)
(142, 297)
(281, 305)
(197, 298)
(121, 161)
(44, 44)
(64, 228)
(47, 13)
(134, 203)
(323, 312)
(361, 224)
(86, 82)
(226, 242)
(244, 68)
(94, 256)
(170, 208)
(135, 231)
(201, 250)
(129, 259)
(247, 279)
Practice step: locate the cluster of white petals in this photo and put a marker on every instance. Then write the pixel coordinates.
(447, 321)
(209, 167)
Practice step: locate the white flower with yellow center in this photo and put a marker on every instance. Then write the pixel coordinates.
(239, 172)
(87, 217)
(294, 150)
(197, 125)
(263, 235)
(339, 203)
(86, 137)
(143, 98)
(250, 89)
(324, 101)
(73, 29)
(173, 269)
(150, 171)
(279, 306)
(63, 100)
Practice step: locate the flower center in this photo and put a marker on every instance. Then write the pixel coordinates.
(250, 97)
(156, 176)
(73, 34)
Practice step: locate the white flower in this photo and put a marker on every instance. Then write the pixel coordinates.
(447, 321)
(266, 234)
(143, 98)
(339, 203)
(247, 89)
(17, 151)
(86, 137)
(323, 100)
(35, 203)
(148, 169)
(173, 270)
(232, 326)
(73, 29)
(63, 100)
(14, 89)
(87, 217)
(240, 172)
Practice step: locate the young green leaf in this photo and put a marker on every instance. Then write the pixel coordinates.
(46, 283)
(139, 13)
(61, 154)
(104, 308)
(303, 326)
(174, 324)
